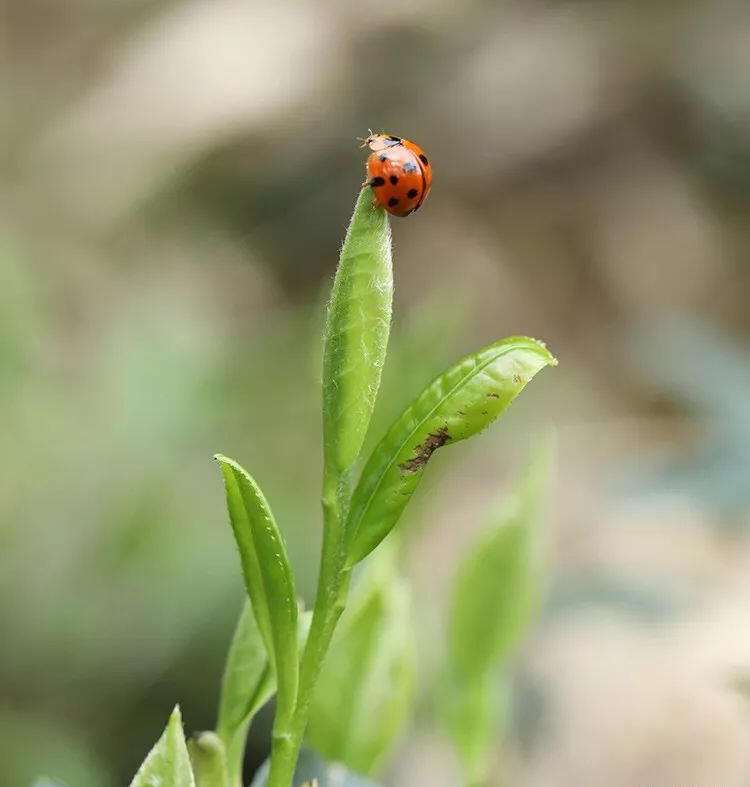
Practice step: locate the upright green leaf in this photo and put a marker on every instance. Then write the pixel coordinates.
(168, 763)
(459, 403)
(365, 688)
(356, 334)
(247, 684)
(268, 578)
(476, 711)
(499, 581)
(208, 758)
(494, 595)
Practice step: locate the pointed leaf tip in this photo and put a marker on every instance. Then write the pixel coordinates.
(168, 762)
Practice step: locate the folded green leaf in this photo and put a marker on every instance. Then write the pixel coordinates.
(459, 403)
(268, 578)
(168, 763)
(356, 334)
(247, 684)
(208, 758)
(365, 688)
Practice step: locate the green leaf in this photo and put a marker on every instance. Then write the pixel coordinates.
(208, 758)
(495, 593)
(168, 763)
(268, 578)
(459, 403)
(366, 685)
(498, 583)
(248, 683)
(356, 334)
(477, 712)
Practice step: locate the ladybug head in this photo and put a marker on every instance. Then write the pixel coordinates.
(380, 141)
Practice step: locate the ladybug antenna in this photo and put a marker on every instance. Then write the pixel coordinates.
(364, 140)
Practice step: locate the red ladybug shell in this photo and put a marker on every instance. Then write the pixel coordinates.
(398, 172)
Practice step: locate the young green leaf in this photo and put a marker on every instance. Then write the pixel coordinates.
(268, 578)
(459, 403)
(365, 688)
(477, 712)
(208, 758)
(168, 762)
(494, 596)
(247, 684)
(356, 334)
(498, 583)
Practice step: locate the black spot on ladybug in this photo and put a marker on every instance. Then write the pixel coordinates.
(394, 139)
(394, 179)
(382, 157)
(392, 202)
(377, 181)
(410, 167)
(412, 193)
(423, 159)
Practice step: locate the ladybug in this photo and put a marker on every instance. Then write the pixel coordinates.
(398, 172)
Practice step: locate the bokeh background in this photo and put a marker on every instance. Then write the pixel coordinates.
(178, 177)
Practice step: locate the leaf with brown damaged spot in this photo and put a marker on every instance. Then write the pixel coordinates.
(456, 405)
(425, 450)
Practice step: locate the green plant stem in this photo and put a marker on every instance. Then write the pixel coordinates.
(284, 751)
(330, 600)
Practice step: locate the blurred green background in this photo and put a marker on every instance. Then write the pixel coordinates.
(178, 177)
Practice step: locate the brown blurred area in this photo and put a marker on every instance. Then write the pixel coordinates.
(178, 177)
